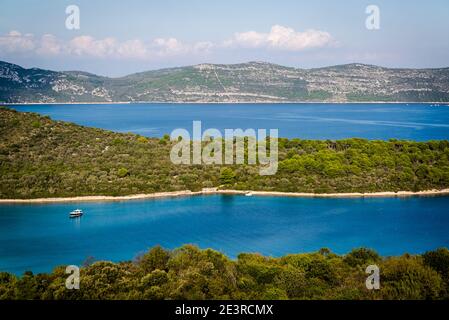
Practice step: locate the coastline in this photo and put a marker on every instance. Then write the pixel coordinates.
(440, 104)
(215, 191)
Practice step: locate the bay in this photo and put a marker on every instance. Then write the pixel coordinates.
(39, 237)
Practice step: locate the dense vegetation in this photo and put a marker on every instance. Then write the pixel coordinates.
(40, 157)
(191, 273)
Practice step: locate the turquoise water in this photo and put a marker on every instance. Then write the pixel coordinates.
(38, 237)
(418, 122)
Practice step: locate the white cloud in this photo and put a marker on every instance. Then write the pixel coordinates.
(170, 46)
(279, 37)
(49, 45)
(82, 46)
(14, 42)
(282, 38)
(251, 39)
(87, 45)
(202, 47)
(173, 47)
(133, 49)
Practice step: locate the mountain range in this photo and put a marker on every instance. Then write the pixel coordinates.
(245, 82)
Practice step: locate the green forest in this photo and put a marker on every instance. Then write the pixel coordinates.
(191, 273)
(40, 157)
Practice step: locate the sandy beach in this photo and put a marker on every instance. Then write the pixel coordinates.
(212, 191)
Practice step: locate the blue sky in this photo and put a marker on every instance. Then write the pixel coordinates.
(121, 37)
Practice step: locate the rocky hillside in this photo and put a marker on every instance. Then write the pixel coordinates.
(247, 82)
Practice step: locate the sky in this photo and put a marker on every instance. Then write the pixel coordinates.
(116, 38)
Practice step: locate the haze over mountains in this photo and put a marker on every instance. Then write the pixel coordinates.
(246, 82)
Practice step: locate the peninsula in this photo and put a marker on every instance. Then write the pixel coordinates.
(43, 158)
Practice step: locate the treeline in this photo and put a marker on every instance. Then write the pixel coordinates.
(191, 273)
(40, 157)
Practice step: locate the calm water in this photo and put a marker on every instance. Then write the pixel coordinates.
(39, 237)
(308, 121)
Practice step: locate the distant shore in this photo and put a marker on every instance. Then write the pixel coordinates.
(441, 104)
(213, 191)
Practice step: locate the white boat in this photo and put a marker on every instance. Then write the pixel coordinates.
(248, 194)
(76, 213)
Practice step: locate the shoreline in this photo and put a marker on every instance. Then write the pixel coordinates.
(440, 104)
(214, 191)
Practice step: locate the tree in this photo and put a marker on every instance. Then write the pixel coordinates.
(142, 139)
(155, 278)
(227, 176)
(407, 278)
(156, 258)
(361, 257)
(122, 172)
(438, 260)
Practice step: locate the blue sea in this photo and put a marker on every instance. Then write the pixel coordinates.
(39, 237)
(419, 122)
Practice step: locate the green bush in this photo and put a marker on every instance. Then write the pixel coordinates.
(227, 176)
(122, 172)
(191, 273)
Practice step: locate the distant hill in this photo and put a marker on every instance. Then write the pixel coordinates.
(246, 82)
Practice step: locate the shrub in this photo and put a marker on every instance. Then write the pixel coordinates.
(227, 176)
(122, 172)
